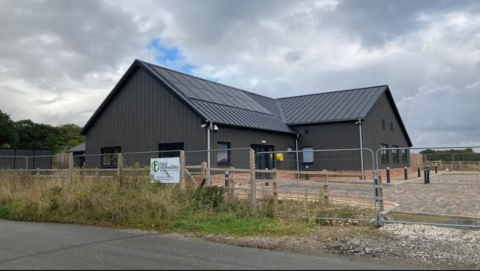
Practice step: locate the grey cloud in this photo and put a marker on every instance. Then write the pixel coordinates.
(293, 56)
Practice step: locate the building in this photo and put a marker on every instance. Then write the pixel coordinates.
(78, 155)
(157, 109)
(23, 158)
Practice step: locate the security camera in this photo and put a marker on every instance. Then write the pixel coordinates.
(215, 128)
(356, 122)
(203, 125)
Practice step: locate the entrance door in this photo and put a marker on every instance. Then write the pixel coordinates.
(263, 160)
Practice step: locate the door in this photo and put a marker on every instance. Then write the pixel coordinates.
(263, 160)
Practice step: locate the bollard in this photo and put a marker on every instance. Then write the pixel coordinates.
(425, 175)
(226, 178)
(418, 170)
(436, 169)
(307, 176)
(388, 175)
(406, 173)
(428, 174)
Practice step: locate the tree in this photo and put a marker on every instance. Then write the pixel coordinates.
(72, 143)
(8, 135)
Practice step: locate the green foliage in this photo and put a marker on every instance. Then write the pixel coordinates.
(8, 135)
(72, 143)
(467, 154)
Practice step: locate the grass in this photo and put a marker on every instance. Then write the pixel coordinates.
(132, 202)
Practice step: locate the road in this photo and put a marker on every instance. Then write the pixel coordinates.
(59, 246)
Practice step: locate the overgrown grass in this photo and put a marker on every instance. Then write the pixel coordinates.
(132, 202)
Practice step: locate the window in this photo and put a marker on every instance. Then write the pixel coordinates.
(223, 154)
(405, 156)
(384, 153)
(307, 155)
(168, 150)
(289, 149)
(391, 126)
(383, 124)
(395, 154)
(110, 157)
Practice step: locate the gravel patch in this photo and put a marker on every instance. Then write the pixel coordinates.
(427, 244)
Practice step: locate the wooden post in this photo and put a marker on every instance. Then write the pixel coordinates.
(305, 204)
(70, 167)
(38, 171)
(325, 192)
(120, 164)
(380, 193)
(204, 172)
(96, 172)
(460, 165)
(275, 200)
(182, 168)
(231, 183)
(253, 183)
(441, 165)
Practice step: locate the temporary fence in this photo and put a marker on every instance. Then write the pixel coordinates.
(444, 192)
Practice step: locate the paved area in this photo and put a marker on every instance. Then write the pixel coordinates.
(447, 194)
(54, 246)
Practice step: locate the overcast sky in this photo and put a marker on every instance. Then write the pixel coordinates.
(59, 59)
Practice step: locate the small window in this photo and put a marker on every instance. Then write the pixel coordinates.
(384, 153)
(223, 154)
(289, 149)
(383, 124)
(110, 157)
(169, 150)
(391, 126)
(307, 155)
(395, 154)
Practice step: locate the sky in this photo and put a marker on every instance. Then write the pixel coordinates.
(60, 59)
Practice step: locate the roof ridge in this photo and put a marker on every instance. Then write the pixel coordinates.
(335, 91)
(186, 74)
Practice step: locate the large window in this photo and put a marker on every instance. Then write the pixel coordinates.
(384, 153)
(110, 157)
(405, 156)
(223, 153)
(168, 150)
(307, 155)
(395, 154)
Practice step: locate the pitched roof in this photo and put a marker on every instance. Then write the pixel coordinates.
(222, 104)
(352, 104)
(79, 148)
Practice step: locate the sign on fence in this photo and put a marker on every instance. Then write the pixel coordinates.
(165, 170)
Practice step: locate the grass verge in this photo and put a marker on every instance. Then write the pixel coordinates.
(132, 202)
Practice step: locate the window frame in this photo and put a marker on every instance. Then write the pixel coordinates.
(385, 159)
(303, 155)
(228, 144)
(111, 151)
(396, 154)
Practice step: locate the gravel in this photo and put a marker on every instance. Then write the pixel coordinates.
(427, 244)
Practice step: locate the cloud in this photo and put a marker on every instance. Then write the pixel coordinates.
(76, 51)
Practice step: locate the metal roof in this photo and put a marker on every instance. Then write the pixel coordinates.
(223, 104)
(79, 148)
(330, 106)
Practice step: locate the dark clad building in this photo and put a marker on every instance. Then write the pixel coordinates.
(156, 109)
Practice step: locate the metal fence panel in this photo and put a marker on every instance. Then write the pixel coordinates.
(440, 190)
(324, 184)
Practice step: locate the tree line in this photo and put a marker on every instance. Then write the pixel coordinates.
(28, 134)
(467, 154)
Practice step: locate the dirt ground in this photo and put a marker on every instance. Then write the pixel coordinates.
(420, 247)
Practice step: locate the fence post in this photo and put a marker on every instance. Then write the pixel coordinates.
(70, 167)
(38, 171)
(428, 174)
(436, 168)
(231, 182)
(380, 193)
(275, 200)
(96, 172)
(460, 165)
(253, 183)
(425, 175)
(406, 173)
(325, 192)
(182, 168)
(204, 173)
(120, 164)
(305, 204)
(418, 171)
